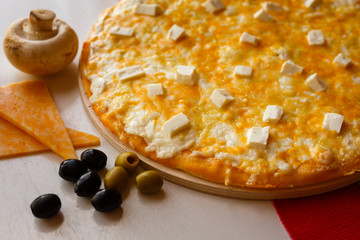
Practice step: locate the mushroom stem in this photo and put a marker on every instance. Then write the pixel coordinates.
(40, 25)
(41, 20)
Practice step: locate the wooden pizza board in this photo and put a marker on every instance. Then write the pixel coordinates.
(187, 180)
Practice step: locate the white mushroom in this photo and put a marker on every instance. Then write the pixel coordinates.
(40, 45)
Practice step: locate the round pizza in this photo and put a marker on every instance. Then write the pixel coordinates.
(258, 94)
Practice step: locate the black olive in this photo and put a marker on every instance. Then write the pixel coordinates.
(46, 206)
(88, 184)
(106, 200)
(72, 169)
(94, 159)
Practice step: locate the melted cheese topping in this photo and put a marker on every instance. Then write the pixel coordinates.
(211, 44)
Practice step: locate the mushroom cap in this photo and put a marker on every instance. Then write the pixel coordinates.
(40, 57)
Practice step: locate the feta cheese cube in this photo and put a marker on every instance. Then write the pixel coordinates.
(242, 71)
(155, 89)
(341, 60)
(186, 75)
(263, 16)
(176, 124)
(272, 113)
(248, 38)
(213, 6)
(290, 68)
(148, 9)
(271, 6)
(122, 31)
(176, 32)
(257, 137)
(221, 97)
(130, 73)
(315, 83)
(312, 3)
(333, 121)
(315, 37)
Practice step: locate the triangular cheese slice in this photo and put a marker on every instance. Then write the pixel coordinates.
(29, 106)
(81, 139)
(14, 141)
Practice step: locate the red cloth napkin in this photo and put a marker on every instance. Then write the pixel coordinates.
(333, 215)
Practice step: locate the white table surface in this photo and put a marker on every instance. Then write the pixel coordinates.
(175, 213)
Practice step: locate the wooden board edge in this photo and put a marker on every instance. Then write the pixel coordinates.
(192, 182)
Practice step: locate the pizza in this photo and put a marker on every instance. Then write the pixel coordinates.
(249, 93)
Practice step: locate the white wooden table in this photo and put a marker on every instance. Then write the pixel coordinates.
(176, 213)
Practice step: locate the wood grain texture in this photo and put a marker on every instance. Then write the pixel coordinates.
(195, 183)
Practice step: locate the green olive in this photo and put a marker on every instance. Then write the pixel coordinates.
(128, 160)
(116, 179)
(149, 182)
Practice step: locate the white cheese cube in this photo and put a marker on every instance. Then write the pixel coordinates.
(263, 16)
(248, 38)
(242, 71)
(272, 113)
(271, 6)
(315, 83)
(155, 89)
(341, 60)
(148, 9)
(122, 31)
(315, 37)
(176, 32)
(221, 97)
(176, 124)
(257, 137)
(290, 68)
(312, 3)
(130, 73)
(333, 121)
(213, 6)
(186, 75)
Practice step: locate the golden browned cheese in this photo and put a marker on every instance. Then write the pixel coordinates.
(299, 149)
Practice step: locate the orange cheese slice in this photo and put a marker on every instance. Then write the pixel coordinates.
(15, 142)
(29, 106)
(81, 139)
